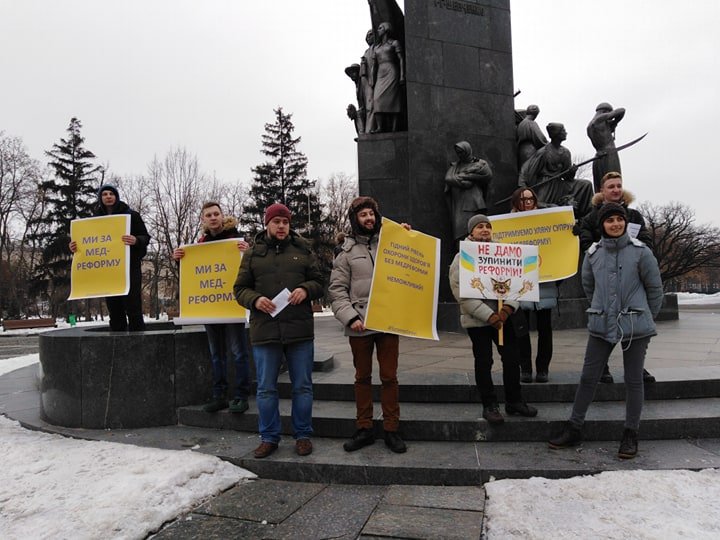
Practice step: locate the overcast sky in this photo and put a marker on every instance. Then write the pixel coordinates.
(145, 76)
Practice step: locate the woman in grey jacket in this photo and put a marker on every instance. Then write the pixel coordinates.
(621, 279)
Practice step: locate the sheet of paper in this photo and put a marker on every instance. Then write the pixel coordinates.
(633, 229)
(281, 301)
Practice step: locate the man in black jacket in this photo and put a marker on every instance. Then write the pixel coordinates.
(125, 311)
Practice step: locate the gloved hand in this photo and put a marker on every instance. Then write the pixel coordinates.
(505, 312)
(495, 321)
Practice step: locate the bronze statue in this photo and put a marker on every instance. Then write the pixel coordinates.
(601, 131)
(366, 85)
(530, 138)
(356, 114)
(551, 174)
(466, 185)
(388, 76)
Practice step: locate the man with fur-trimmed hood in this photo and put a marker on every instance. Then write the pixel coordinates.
(349, 291)
(227, 339)
(611, 190)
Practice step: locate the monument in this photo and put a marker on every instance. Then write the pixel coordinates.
(459, 87)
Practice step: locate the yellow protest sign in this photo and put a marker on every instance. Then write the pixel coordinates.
(207, 275)
(551, 230)
(404, 290)
(101, 264)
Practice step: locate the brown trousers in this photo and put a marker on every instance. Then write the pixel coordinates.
(387, 346)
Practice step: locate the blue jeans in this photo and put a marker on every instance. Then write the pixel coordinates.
(299, 358)
(229, 340)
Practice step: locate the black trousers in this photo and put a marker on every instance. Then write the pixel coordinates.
(126, 311)
(482, 339)
(544, 346)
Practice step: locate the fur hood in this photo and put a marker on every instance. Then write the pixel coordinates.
(228, 223)
(628, 198)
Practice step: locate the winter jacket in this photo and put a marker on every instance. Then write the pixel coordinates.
(474, 312)
(621, 278)
(137, 228)
(589, 229)
(548, 297)
(350, 280)
(229, 231)
(268, 268)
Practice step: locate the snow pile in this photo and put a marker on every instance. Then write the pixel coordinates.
(11, 364)
(54, 487)
(697, 299)
(611, 505)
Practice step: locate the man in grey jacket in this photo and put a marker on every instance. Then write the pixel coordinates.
(349, 291)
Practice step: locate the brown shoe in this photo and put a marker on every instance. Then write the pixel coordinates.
(265, 449)
(303, 447)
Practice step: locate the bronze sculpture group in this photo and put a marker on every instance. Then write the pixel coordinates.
(379, 83)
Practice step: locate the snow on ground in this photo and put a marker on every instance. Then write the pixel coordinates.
(610, 505)
(697, 299)
(56, 487)
(11, 364)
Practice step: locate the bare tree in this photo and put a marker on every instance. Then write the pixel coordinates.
(337, 192)
(680, 245)
(176, 193)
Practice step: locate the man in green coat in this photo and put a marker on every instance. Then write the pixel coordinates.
(281, 268)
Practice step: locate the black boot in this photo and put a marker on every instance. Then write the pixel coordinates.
(648, 377)
(491, 413)
(363, 437)
(394, 442)
(629, 444)
(570, 436)
(521, 408)
(606, 377)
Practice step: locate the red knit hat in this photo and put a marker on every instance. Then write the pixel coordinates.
(275, 210)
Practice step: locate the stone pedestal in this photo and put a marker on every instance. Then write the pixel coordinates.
(459, 87)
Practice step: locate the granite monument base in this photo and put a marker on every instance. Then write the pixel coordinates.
(97, 379)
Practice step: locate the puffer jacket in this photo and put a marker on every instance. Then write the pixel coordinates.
(621, 278)
(137, 228)
(350, 280)
(268, 268)
(474, 312)
(589, 229)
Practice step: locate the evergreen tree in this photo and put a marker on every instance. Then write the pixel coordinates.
(69, 195)
(283, 178)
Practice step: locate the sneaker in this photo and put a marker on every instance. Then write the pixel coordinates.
(362, 437)
(606, 377)
(526, 376)
(265, 449)
(542, 376)
(628, 445)
(394, 442)
(303, 447)
(491, 413)
(239, 406)
(217, 404)
(648, 377)
(570, 436)
(521, 408)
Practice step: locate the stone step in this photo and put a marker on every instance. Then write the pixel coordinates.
(686, 383)
(467, 464)
(662, 419)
